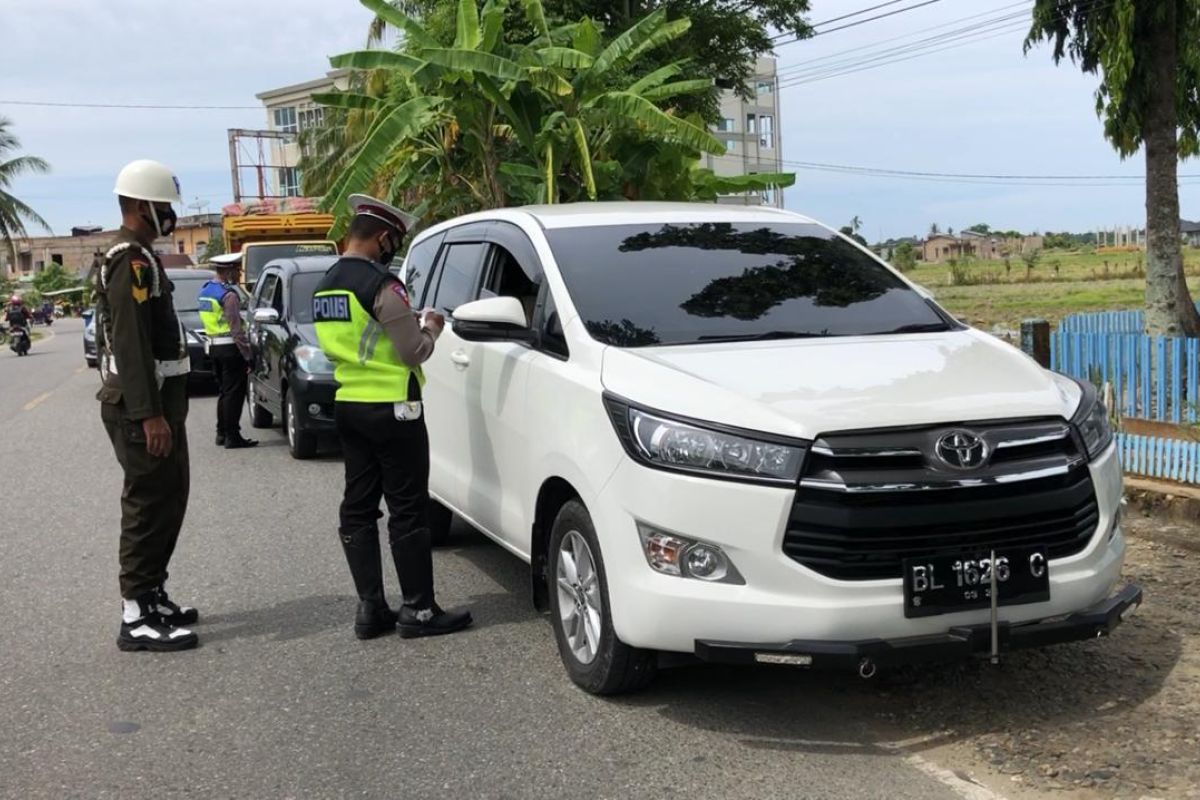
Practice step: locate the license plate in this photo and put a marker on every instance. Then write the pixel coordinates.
(945, 584)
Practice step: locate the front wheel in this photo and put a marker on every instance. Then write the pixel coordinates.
(597, 661)
(259, 416)
(302, 444)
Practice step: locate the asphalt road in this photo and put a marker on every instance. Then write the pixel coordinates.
(281, 701)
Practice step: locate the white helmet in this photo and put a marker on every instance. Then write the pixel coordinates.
(148, 180)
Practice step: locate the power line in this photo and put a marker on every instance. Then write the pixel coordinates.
(129, 105)
(862, 21)
(861, 11)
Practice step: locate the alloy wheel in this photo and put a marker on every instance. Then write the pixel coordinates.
(580, 606)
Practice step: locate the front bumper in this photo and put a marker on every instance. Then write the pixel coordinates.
(956, 643)
(314, 390)
(201, 364)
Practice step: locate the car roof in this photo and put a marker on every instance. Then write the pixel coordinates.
(303, 263)
(186, 272)
(625, 212)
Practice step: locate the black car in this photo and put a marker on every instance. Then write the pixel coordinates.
(185, 294)
(290, 378)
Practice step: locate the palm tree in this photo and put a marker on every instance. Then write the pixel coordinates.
(934, 230)
(13, 213)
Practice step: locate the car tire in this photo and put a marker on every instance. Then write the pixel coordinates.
(440, 520)
(93, 363)
(301, 444)
(259, 416)
(595, 659)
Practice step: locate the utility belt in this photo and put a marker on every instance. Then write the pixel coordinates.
(217, 341)
(172, 368)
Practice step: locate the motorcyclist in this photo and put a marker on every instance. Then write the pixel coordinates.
(18, 315)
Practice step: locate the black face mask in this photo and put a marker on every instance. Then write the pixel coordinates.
(162, 219)
(388, 247)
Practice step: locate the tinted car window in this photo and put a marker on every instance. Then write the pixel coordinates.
(459, 275)
(303, 286)
(640, 285)
(257, 256)
(419, 265)
(264, 293)
(186, 294)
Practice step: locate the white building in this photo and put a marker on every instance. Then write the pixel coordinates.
(290, 109)
(749, 128)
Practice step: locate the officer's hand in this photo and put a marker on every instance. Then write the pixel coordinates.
(434, 322)
(158, 436)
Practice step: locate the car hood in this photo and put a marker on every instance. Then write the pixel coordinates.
(807, 387)
(190, 320)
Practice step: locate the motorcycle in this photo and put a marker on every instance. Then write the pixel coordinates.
(18, 340)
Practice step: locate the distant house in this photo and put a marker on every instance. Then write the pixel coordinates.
(941, 247)
(886, 250)
(1191, 232)
(983, 246)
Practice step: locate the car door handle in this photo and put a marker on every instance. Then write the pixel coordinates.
(460, 359)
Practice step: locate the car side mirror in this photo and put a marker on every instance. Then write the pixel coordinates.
(266, 316)
(493, 319)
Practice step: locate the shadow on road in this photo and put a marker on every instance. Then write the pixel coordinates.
(291, 619)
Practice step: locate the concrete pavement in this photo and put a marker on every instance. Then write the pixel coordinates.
(281, 701)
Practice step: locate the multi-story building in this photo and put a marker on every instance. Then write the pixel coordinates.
(290, 109)
(749, 129)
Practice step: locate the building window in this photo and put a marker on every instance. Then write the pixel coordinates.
(311, 117)
(764, 87)
(768, 196)
(751, 127)
(727, 125)
(766, 132)
(285, 119)
(56, 258)
(731, 145)
(289, 182)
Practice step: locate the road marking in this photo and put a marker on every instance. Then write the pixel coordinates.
(32, 404)
(961, 783)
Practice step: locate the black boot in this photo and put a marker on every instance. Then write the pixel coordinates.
(373, 617)
(220, 440)
(173, 613)
(420, 615)
(237, 442)
(143, 628)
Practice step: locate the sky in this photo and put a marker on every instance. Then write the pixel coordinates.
(981, 108)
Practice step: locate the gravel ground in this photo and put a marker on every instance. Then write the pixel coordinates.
(1111, 718)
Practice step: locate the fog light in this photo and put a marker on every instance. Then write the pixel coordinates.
(705, 562)
(314, 409)
(686, 558)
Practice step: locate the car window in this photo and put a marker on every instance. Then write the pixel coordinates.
(256, 256)
(650, 284)
(304, 284)
(186, 294)
(418, 266)
(264, 293)
(553, 340)
(459, 275)
(507, 277)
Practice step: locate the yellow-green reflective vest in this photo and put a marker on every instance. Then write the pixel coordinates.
(212, 314)
(366, 366)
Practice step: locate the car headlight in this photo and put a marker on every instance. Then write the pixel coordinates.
(313, 360)
(1091, 420)
(657, 440)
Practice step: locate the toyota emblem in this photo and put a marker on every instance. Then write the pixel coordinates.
(961, 450)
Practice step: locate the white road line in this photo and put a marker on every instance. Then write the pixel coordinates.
(32, 404)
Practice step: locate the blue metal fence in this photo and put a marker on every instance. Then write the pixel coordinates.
(1160, 457)
(1104, 322)
(1153, 377)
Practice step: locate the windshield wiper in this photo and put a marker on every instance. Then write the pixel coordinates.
(760, 337)
(919, 327)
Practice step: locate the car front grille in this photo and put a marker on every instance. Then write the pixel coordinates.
(868, 501)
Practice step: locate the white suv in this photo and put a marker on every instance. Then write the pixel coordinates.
(732, 433)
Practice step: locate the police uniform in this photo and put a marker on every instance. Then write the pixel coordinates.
(144, 368)
(227, 347)
(365, 326)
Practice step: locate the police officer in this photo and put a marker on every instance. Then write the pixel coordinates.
(144, 405)
(227, 346)
(366, 326)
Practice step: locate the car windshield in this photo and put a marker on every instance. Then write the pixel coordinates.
(257, 255)
(666, 284)
(186, 294)
(303, 286)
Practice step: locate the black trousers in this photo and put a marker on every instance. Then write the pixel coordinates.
(230, 369)
(389, 459)
(155, 494)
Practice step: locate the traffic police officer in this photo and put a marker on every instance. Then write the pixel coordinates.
(144, 405)
(366, 326)
(227, 346)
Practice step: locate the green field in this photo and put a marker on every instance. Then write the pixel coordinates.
(1081, 283)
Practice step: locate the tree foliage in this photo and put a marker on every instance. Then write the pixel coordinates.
(489, 113)
(54, 277)
(14, 214)
(904, 257)
(1147, 55)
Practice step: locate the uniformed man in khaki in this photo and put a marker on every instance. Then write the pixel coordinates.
(144, 405)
